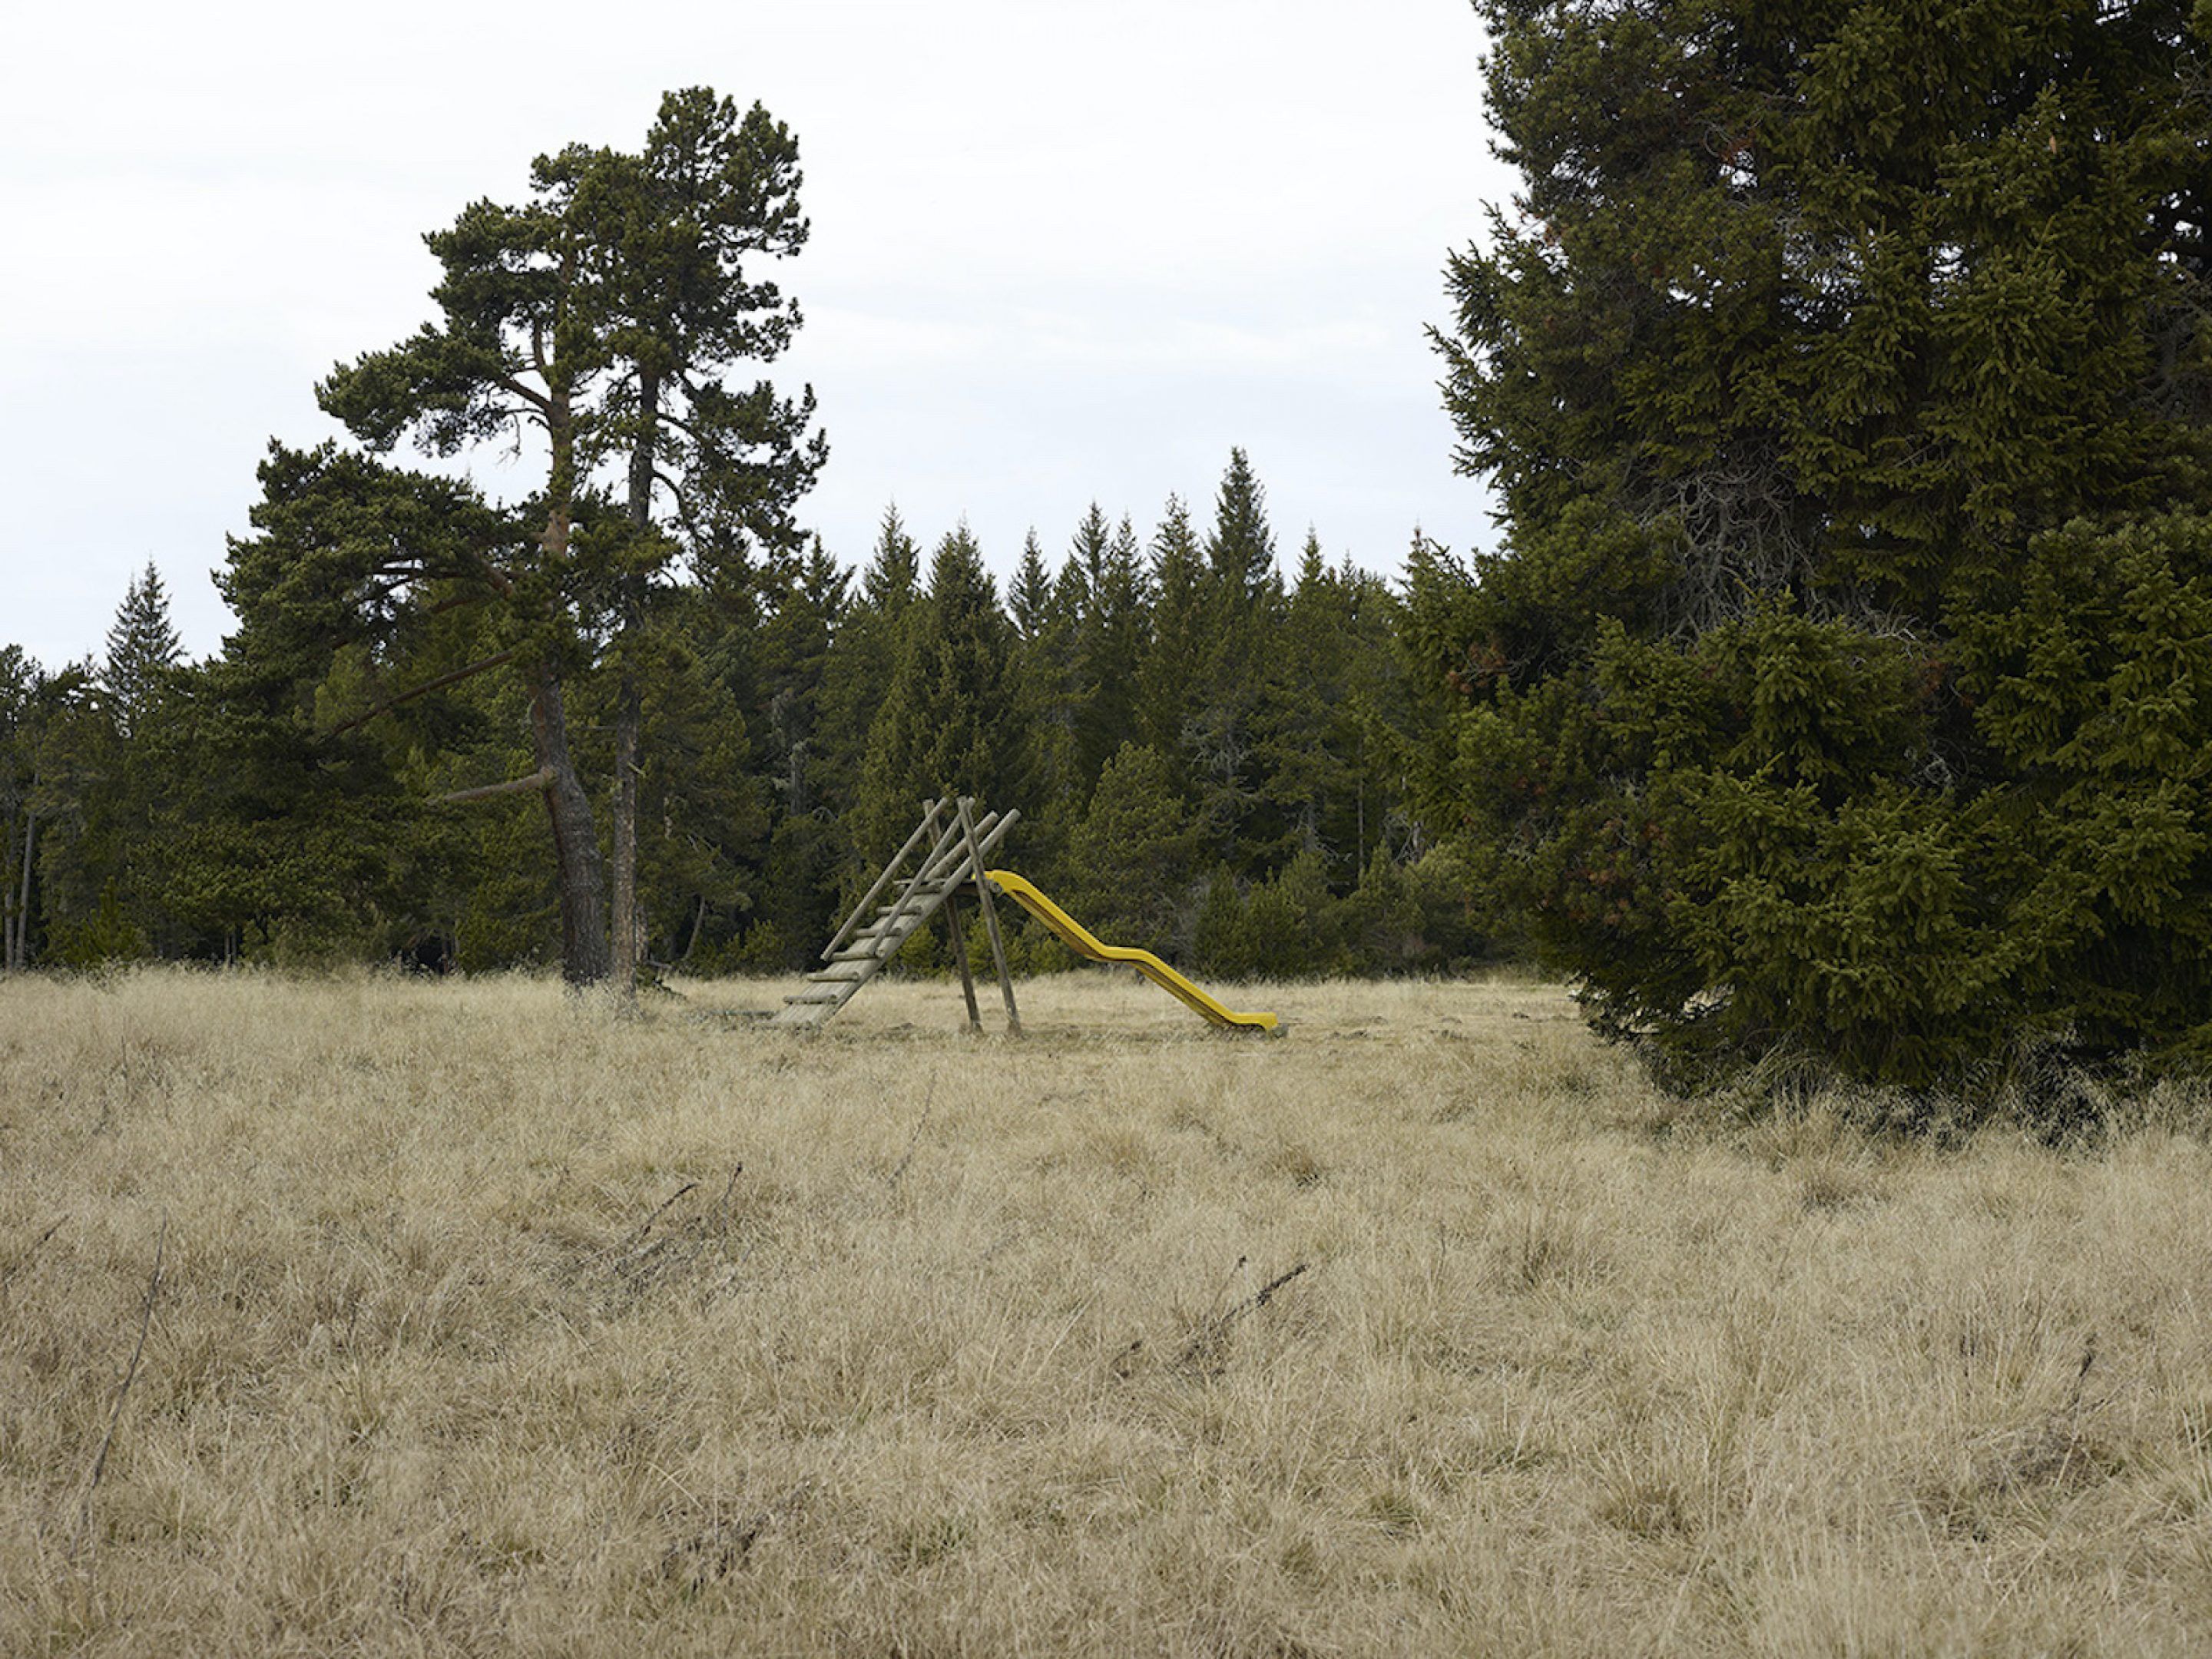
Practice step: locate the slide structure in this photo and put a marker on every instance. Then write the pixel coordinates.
(1080, 939)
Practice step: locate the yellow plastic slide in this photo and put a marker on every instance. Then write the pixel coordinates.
(1080, 939)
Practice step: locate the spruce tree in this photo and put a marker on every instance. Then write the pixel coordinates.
(1308, 722)
(1109, 648)
(1244, 600)
(23, 702)
(143, 647)
(1241, 548)
(952, 721)
(795, 641)
(1030, 596)
(1170, 674)
(1846, 375)
(1130, 858)
(856, 677)
(1094, 705)
(1050, 691)
(893, 576)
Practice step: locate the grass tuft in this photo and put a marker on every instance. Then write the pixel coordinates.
(487, 1322)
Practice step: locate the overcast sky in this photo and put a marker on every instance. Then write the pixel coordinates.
(1063, 250)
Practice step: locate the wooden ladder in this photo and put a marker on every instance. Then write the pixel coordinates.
(956, 845)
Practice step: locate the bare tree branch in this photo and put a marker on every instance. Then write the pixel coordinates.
(130, 1375)
(538, 780)
(428, 686)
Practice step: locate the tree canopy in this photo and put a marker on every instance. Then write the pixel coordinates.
(1844, 371)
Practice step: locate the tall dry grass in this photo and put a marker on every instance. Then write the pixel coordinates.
(489, 1323)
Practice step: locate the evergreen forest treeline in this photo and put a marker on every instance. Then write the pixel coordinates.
(638, 716)
(1210, 756)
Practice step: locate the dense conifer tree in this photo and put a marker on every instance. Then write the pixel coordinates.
(951, 721)
(1130, 859)
(858, 674)
(1308, 724)
(24, 700)
(1244, 595)
(142, 648)
(1049, 684)
(1845, 376)
(1030, 594)
(276, 802)
(1170, 673)
(1108, 651)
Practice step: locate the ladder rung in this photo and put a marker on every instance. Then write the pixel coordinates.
(821, 993)
(848, 974)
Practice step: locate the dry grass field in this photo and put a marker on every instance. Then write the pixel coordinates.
(489, 1323)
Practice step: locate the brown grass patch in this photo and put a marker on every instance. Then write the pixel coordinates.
(491, 1323)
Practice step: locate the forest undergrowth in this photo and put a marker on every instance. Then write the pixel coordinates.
(375, 1315)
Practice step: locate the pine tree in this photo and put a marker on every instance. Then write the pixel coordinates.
(1245, 602)
(614, 295)
(950, 722)
(1030, 596)
(1846, 380)
(1130, 858)
(143, 647)
(1109, 648)
(1170, 676)
(682, 225)
(1241, 548)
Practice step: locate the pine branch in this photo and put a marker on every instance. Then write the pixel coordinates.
(428, 687)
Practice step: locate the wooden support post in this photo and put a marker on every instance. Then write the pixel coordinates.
(990, 918)
(960, 956)
(861, 911)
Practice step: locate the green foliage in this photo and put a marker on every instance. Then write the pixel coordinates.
(99, 939)
(950, 722)
(1846, 382)
(289, 800)
(1130, 860)
(1170, 675)
(142, 648)
(1220, 945)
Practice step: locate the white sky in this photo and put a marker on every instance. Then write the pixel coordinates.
(1061, 252)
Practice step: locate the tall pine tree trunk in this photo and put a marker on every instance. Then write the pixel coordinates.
(8, 896)
(575, 842)
(629, 939)
(20, 949)
(628, 934)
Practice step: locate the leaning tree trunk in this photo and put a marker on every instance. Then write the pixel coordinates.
(575, 842)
